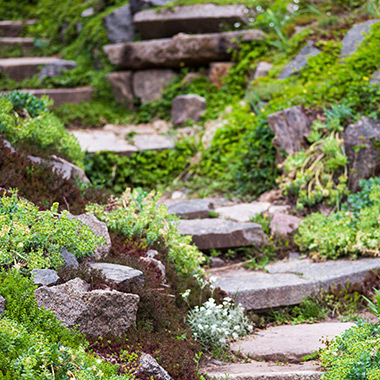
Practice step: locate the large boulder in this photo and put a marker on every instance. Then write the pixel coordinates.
(355, 36)
(119, 25)
(220, 234)
(192, 19)
(97, 312)
(149, 84)
(56, 68)
(149, 369)
(361, 150)
(98, 228)
(290, 127)
(121, 83)
(181, 50)
(298, 63)
(188, 107)
(138, 5)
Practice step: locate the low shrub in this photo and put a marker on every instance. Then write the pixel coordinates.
(136, 215)
(25, 120)
(35, 238)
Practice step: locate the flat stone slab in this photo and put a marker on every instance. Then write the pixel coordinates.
(44, 277)
(64, 95)
(355, 36)
(98, 140)
(193, 19)
(22, 68)
(191, 209)
(243, 212)
(153, 142)
(10, 28)
(289, 343)
(119, 273)
(265, 371)
(181, 50)
(218, 233)
(288, 282)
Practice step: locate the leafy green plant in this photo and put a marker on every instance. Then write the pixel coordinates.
(25, 120)
(136, 215)
(319, 173)
(35, 238)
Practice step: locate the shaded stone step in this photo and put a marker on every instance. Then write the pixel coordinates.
(219, 234)
(24, 43)
(64, 95)
(194, 19)
(188, 50)
(11, 28)
(97, 140)
(265, 371)
(289, 343)
(288, 282)
(22, 68)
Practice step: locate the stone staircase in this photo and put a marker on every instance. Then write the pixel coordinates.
(25, 67)
(275, 353)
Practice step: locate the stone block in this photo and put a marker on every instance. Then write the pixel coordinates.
(187, 107)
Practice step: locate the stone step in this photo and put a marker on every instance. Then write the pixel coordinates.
(64, 95)
(97, 140)
(188, 50)
(24, 43)
(22, 68)
(193, 19)
(289, 343)
(265, 371)
(13, 28)
(221, 234)
(286, 283)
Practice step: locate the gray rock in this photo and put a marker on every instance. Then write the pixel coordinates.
(119, 25)
(192, 19)
(191, 209)
(8, 145)
(218, 71)
(148, 85)
(363, 155)
(262, 69)
(217, 233)
(187, 50)
(355, 36)
(69, 259)
(88, 12)
(120, 274)
(261, 370)
(153, 142)
(98, 140)
(242, 212)
(66, 169)
(284, 224)
(187, 107)
(298, 63)
(149, 368)
(290, 127)
(98, 228)
(217, 262)
(121, 83)
(288, 282)
(375, 78)
(138, 5)
(44, 277)
(98, 313)
(2, 305)
(56, 68)
(282, 209)
(274, 344)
